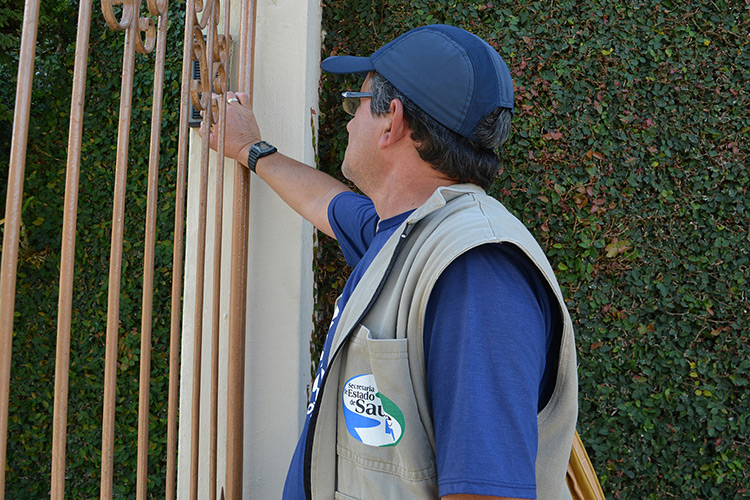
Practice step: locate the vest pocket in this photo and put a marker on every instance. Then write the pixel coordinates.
(379, 427)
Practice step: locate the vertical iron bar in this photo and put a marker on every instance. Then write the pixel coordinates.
(144, 384)
(216, 308)
(216, 315)
(179, 229)
(238, 285)
(115, 262)
(67, 258)
(200, 275)
(218, 225)
(236, 349)
(13, 206)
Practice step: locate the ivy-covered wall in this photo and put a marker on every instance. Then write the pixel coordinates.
(629, 163)
(33, 365)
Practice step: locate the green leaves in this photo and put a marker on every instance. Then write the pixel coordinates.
(628, 162)
(617, 247)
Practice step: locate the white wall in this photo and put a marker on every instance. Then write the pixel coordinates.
(280, 300)
(280, 282)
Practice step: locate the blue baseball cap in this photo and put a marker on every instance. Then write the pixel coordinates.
(452, 75)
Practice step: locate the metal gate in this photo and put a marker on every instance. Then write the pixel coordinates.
(144, 29)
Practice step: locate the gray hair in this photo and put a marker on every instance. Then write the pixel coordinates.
(458, 157)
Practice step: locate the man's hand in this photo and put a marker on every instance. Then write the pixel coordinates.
(241, 130)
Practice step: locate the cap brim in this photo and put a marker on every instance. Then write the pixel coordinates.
(343, 65)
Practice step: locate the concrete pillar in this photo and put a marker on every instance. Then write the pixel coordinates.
(280, 289)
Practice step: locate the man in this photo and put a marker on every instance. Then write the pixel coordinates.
(449, 367)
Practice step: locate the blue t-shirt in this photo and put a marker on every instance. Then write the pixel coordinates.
(490, 356)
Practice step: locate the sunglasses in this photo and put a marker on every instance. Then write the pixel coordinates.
(352, 100)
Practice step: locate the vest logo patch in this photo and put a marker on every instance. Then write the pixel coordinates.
(370, 416)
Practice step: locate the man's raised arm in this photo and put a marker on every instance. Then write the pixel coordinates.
(305, 189)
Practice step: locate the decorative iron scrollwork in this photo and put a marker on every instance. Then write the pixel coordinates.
(130, 17)
(126, 15)
(211, 52)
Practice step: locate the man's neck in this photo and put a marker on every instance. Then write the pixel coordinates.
(398, 195)
(403, 180)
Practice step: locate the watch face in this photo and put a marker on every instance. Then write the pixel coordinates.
(264, 146)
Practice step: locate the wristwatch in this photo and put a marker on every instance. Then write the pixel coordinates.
(258, 151)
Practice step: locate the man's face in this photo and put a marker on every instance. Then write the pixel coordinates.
(361, 156)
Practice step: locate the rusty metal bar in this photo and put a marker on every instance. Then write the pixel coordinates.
(178, 254)
(238, 286)
(144, 384)
(205, 55)
(13, 206)
(224, 51)
(198, 333)
(216, 314)
(115, 262)
(67, 258)
(236, 349)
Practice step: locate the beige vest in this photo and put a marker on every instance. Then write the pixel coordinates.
(377, 361)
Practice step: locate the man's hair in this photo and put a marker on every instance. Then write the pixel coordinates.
(456, 156)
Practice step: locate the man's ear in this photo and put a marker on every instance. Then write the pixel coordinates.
(397, 127)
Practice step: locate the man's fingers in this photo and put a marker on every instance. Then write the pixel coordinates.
(241, 127)
(231, 98)
(243, 97)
